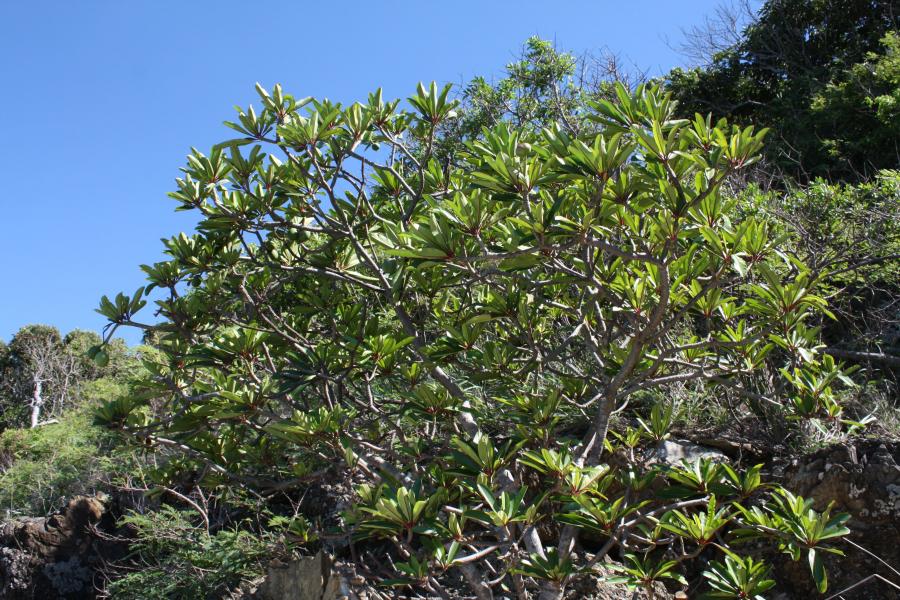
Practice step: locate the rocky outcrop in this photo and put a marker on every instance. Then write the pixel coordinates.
(306, 578)
(56, 556)
(316, 577)
(862, 479)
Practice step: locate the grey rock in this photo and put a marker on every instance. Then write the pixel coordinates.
(672, 452)
(304, 578)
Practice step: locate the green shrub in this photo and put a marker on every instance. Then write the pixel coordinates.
(173, 558)
(457, 336)
(45, 466)
(850, 233)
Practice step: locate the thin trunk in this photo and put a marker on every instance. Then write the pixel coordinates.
(592, 444)
(36, 403)
(476, 583)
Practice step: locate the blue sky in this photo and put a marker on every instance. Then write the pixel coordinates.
(104, 99)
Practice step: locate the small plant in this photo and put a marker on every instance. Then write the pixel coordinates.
(738, 578)
(549, 567)
(660, 421)
(296, 530)
(700, 527)
(798, 529)
(644, 572)
(741, 484)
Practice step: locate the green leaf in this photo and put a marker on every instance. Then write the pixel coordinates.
(98, 355)
(817, 568)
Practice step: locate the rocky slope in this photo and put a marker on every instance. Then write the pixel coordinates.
(61, 556)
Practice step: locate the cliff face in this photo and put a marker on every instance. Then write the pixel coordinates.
(57, 556)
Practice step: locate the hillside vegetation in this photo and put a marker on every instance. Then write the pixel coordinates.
(515, 340)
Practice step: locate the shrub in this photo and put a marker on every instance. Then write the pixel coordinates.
(172, 558)
(850, 236)
(458, 335)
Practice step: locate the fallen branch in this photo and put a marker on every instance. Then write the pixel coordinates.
(877, 357)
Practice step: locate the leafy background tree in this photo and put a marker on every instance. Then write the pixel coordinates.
(38, 372)
(41, 372)
(784, 71)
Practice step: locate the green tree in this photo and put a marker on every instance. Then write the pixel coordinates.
(542, 88)
(850, 236)
(37, 371)
(459, 335)
(80, 342)
(781, 73)
(857, 114)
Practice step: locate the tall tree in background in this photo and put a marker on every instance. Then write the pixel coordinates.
(38, 370)
(779, 73)
(543, 87)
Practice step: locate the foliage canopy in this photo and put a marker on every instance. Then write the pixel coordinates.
(454, 337)
(822, 73)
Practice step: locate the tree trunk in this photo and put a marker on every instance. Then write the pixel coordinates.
(600, 429)
(36, 403)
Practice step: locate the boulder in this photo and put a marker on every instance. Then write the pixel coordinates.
(672, 452)
(862, 479)
(56, 556)
(593, 588)
(305, 578)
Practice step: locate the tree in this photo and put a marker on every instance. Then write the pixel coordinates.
(79, 343)
(458, 337)
(857, 114)
(37, 368)
(40, 370)
(850, 236)
(543, 87)
(776, 74)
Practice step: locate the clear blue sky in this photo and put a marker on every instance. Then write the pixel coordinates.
(103, 100)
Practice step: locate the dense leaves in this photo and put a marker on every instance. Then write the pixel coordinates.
(456, 337)
(822, 73)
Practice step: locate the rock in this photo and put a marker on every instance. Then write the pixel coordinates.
(593, 588)
(862, 479)
(15, 572)
(672, 452)
(305, 578)
(57, 556)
